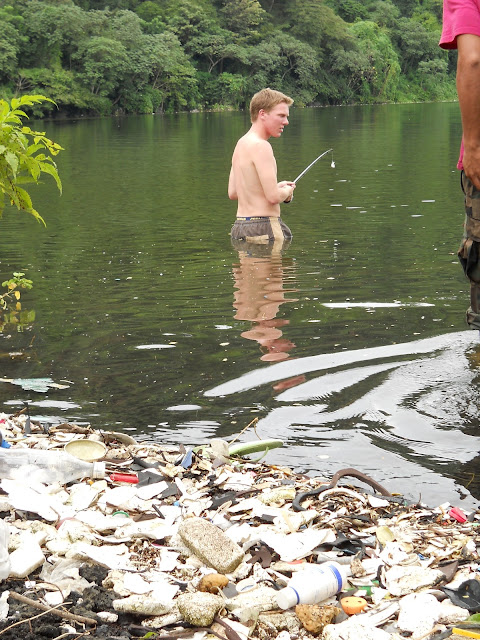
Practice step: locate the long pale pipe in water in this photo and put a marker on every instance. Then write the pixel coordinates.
(311, 165)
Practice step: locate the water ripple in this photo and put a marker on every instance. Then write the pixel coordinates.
(411, 416)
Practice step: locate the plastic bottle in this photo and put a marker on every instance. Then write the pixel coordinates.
(41, 465)
(312, 585)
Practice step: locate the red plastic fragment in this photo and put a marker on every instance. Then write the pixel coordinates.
(457, 514)
(124, 477)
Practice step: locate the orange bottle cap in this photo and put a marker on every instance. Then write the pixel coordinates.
(353, 604)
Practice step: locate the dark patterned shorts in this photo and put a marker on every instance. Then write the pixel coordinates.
(258, 230)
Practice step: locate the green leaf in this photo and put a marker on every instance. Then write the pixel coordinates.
(4, 108)
(24, 199)
(37, 216)
(34, 148)
(13, 118)
(19, 113)
(51, 170)
(24, 180)
(39, 135)
(12, 161)
(33, 167)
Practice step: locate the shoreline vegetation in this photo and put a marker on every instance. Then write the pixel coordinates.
(126, 57)
(227, 109)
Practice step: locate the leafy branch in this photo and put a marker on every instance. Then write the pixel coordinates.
(24, 154)
(13, 287)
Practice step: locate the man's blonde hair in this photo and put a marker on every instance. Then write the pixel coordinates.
(267, 99)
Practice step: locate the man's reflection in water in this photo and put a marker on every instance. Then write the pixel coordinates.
(259, 282)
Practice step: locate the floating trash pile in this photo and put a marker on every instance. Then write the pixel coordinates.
(151, 541)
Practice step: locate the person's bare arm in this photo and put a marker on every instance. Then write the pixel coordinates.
(468, 88)
(265, 165)
(232, 189)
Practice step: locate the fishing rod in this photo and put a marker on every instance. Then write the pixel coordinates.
(311, 165)
(300, 175)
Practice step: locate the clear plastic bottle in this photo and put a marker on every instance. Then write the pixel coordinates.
(313, 584)
(47, 466)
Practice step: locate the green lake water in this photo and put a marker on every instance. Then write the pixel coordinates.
(351, 347)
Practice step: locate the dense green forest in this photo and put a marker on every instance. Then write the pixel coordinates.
(101, 57)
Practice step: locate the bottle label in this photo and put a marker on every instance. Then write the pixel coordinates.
(338, 576)
(297, 595)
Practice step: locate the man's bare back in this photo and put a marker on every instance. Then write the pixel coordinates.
(253, 176)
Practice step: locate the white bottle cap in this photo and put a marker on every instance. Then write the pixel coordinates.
(287, 598)
(98, 470)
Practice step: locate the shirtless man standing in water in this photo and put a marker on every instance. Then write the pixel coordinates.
(253, 177)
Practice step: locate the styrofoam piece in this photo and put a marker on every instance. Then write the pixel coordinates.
(295, 546)
(418, 614)
(26, 498)
(4, 607)
(353, 629)
(401, 581)
(211, 544)
(4, 557)
(28, 557)
(142, 605)
(110, 556)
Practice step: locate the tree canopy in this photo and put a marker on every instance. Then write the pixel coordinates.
(128, 56)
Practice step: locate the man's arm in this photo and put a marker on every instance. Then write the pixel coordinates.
(468, 88)
(232, 189)
(265, 165)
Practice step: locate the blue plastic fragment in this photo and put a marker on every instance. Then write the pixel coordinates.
(187, 459)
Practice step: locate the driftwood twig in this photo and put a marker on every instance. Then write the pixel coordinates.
(66, 615)
(254, 422)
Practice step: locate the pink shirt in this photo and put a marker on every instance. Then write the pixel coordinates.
(459, 17)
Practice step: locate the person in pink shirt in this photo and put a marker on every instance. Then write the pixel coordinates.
(461, 31)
